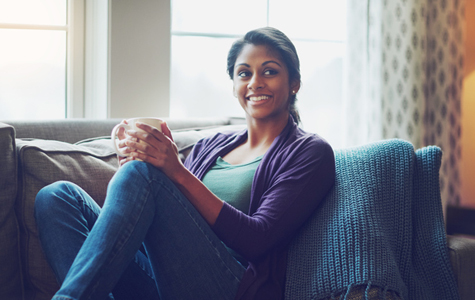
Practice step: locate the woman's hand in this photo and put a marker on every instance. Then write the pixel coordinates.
(155, 147)
(122, 146)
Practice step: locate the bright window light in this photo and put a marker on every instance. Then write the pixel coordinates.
(37, 12)
(33, 59)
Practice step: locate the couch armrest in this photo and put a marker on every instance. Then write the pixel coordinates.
(10, 276)
(462, 257)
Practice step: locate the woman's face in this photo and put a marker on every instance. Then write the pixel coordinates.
(261, 83)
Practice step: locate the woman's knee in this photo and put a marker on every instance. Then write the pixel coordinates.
(133, 168)
(50, 196)
(136, 173)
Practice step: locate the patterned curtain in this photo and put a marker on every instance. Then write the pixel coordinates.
(404, 77)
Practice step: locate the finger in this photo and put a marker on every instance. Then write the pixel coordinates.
(123, 143)
(153, 131)
(124, 160)
(148, 141)
(141, 147)
(121, 131)
(158, 162)
(166, 131)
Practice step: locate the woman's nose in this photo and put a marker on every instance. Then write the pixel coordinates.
(255, 83)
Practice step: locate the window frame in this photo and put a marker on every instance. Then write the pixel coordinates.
(75, 105)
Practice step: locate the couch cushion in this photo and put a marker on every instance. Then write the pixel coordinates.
(10, 276)
(73, 130)
(90, 165)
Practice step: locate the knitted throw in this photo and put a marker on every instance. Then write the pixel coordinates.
(380, 227)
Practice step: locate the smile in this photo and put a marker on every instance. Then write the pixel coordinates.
(258, 98)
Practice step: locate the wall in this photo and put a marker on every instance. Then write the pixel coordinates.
(467, 168)
(139, 58)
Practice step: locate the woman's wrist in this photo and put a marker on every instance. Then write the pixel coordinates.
(180, 175)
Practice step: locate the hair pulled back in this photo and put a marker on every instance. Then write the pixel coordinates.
(274, 40)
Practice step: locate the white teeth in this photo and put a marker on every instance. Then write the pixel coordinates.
(259, 98)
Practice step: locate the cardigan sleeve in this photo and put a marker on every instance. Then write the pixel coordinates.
(293, 183)
(194, 154)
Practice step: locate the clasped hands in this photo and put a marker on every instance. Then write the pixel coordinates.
(152, 146)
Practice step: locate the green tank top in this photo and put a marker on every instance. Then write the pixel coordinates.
(232, 183)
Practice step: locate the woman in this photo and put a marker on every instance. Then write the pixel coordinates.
(271, 177)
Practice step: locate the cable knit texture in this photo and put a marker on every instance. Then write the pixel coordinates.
(380, 227)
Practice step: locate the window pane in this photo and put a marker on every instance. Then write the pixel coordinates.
(218, 16)
(303, 19)
(320, 97)
(200, 85)
(33, 74)
(44, 12)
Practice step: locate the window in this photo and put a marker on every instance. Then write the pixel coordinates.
(36, 62)
(203, 31)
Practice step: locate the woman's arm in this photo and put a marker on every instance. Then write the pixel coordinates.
(160, 150)
(289, 188)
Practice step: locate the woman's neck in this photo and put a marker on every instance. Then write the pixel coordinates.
(262, 133)
(260, 137)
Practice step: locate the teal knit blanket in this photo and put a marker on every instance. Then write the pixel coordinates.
(380, 227)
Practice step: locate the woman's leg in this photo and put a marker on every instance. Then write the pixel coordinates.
(188, 260)
(64, 215)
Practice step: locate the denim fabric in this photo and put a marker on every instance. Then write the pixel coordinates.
(185, 258)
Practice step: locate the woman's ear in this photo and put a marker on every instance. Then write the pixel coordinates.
(295, 87)
(234, 92)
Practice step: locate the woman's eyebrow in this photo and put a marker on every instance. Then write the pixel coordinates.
(243, 64)
(271, 61)
(264, 63)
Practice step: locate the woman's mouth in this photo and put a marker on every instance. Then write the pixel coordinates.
(258, 98)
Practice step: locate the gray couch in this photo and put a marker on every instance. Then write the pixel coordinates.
(37, 153)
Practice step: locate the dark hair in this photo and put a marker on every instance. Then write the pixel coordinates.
(277, 41)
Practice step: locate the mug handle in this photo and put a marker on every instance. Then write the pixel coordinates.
(114, 137)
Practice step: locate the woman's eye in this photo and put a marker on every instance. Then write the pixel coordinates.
(270, 72)
(244, 74)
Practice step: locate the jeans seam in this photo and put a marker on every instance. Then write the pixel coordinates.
(145, 271)
(93, 289)
(80, 196)
(84, 204)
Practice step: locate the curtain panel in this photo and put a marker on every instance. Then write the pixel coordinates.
(404, 74)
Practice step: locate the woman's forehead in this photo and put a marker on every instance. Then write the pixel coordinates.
(251, 51)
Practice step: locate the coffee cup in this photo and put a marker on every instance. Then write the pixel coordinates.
(131, 125)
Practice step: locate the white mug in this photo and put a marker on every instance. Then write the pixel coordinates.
(155, 122)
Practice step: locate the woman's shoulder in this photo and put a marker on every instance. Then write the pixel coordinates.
(310, 150)
(309, 141)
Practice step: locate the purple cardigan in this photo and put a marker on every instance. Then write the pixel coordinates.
(292, 179)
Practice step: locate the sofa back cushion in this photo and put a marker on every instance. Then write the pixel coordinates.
(90, 165)
(74, 130)
(10, 276)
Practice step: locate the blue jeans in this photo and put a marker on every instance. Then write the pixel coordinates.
(95, 253)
